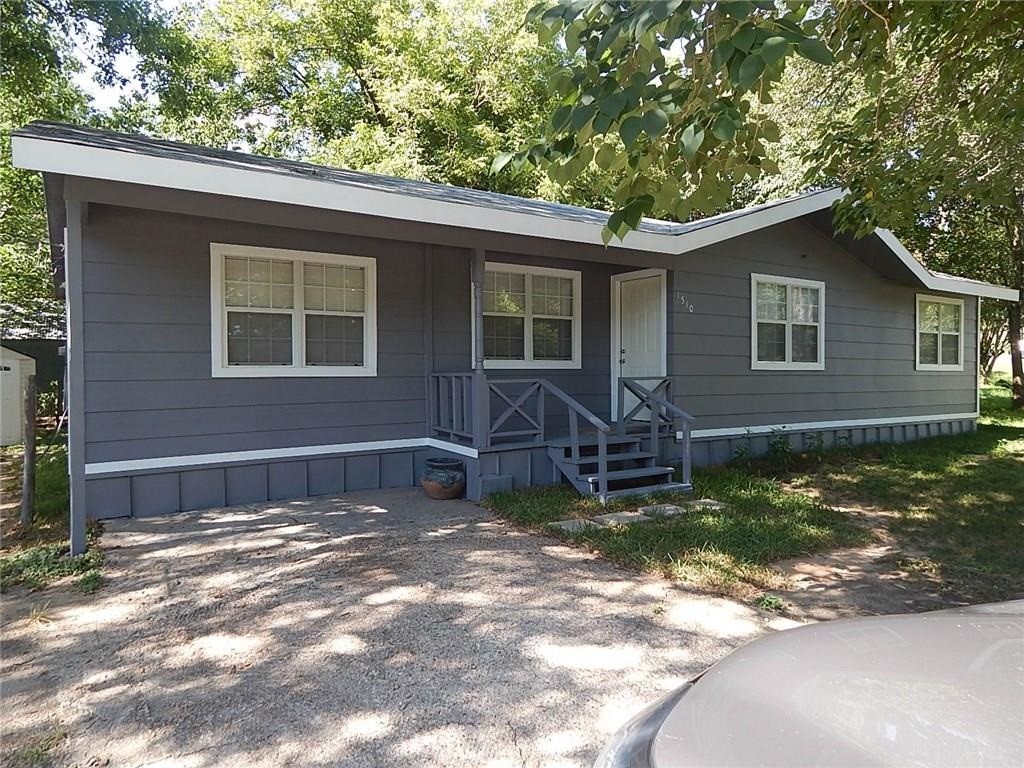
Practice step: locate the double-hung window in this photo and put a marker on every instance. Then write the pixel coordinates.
(940, 340)
(787, 323)
(531, 317)
(292, 313)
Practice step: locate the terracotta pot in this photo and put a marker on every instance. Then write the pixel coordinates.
(444, 478)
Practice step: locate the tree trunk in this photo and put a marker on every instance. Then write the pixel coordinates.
(1014, 310)
(28, 467)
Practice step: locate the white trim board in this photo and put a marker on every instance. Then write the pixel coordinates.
(810, 426)
(55, 156)
(175, 463)
(934, 282)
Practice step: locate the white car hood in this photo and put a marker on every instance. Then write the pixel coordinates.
(938, 689)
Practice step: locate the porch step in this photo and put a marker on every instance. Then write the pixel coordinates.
(647, 489)
(587, 441)
(619, 456)
(631, 474)
(631, 468)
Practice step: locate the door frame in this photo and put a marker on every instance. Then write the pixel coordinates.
(616, 326)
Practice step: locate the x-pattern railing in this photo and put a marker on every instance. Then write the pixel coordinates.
(656, 400)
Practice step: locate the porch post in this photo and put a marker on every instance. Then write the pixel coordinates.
(75, 374)
(481, 392)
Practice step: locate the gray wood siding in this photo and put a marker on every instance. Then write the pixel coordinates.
(869, 339)
(149, 391)
(589, 384)
(148, 387)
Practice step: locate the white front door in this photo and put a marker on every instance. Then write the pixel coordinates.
(638, 329)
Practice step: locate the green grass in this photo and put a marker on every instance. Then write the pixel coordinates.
(957, 502)
(37, 753)
(956, 506)
(38, 555)
(728, 550)
(41, 564)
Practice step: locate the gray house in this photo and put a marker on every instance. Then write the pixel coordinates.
(245, 329)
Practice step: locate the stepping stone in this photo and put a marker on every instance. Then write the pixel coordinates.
(709, 505)
(662, 510)
(574, 526)
(621, 518)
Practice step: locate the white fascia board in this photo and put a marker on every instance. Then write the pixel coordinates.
(116, 165)
(933, 282)
(86, 161)
(173, 173)
(755, 220)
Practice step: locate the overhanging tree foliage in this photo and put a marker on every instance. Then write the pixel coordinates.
(39, 61)
(676, 95)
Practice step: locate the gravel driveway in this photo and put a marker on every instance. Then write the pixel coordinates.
(378, 629)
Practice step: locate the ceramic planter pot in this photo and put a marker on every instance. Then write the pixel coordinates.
(444, 478)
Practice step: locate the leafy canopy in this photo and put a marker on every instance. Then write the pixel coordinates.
(677, 96)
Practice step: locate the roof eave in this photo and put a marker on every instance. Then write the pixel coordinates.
(77, 159)
(933, 282)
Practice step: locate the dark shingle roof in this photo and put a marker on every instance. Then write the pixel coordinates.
(44, 319)
(145, 145)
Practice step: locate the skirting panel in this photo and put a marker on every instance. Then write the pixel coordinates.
(720, 450)
(160, 493)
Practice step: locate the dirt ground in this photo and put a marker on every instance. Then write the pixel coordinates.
(860, 581)
(376, 630)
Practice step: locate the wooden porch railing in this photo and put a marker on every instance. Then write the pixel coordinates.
(460, 407)
(665, 416)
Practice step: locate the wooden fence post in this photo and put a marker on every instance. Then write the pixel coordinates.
(28, 469)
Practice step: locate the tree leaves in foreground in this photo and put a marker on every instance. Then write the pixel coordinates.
(668, 94)
(674, 95)
(923, 105)
(40, 60)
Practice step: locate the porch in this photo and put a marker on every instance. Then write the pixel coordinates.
(524, 429)
(533, 426)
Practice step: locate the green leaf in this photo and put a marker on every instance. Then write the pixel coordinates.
(613, 104)
(606, 157)
(750, 71)
(692, 138)
(770, 131)
(630, 130)
(723, 129)
(655, 121)
(815, 50)
(500, 161)
(744, 39)
(722, 53)
(601, 123)
(773, 49)
(560, 119)
(582, 114)
(737, 9)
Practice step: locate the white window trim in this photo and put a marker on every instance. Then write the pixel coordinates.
(218, 315)
(787, 365)
(576, 362)
(918, 365)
